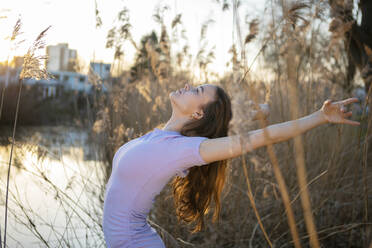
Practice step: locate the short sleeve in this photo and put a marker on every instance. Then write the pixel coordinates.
(188, 149)
(193, 151)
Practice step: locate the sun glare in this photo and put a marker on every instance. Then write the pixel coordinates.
(3, 53)
(5, 31)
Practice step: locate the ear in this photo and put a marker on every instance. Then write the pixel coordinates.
(197, 115)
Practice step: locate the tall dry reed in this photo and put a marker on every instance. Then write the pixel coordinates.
(30, 69)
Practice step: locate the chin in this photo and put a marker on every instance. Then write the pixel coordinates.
(171, 95)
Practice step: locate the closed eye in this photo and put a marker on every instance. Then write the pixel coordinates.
(200, 90)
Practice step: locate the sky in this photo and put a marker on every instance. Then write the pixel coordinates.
(73, 22)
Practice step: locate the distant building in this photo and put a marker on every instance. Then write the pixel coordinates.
(63, 78)
(72, 81)
(50, 87)
(60, 57)
(101, 69)
(62, 81)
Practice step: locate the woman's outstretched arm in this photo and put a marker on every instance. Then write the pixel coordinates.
(231, 146)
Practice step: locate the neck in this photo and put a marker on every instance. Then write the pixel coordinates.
(175, 123)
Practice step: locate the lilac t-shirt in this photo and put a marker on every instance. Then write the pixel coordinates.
(140, 170)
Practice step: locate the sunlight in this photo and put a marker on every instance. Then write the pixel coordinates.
(3, 48)
(90, 157)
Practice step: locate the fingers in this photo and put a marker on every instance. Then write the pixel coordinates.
(350, 100)
(344, 102)
(348, 114)
(350, 122)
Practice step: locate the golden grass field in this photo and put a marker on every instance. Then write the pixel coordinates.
(311, 191)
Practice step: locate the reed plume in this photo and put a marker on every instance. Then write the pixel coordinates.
(31, 69)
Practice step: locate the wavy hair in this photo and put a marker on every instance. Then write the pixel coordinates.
(193, 194)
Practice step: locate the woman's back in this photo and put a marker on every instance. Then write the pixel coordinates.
(140, 170)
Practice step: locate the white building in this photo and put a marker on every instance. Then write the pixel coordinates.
(101, 69)
(65, 81)
(72, 81)
(59, 57)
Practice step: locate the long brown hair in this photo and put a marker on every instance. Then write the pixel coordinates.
(194, 193)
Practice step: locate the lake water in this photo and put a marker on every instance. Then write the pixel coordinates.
(55, 191)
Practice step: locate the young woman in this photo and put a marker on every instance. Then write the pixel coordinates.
(193, 146)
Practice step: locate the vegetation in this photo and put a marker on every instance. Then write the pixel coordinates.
(314, 190)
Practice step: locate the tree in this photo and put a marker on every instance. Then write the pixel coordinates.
(142, 63)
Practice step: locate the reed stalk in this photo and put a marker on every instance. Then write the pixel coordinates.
(31, 69)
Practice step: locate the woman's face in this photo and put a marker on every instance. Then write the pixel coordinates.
(188, 101)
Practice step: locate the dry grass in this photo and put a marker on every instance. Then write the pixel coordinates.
(323, 168)
(310, 191)
(315, 168)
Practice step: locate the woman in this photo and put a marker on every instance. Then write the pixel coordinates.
(194, 145)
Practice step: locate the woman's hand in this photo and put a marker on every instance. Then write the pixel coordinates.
(335, 112)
